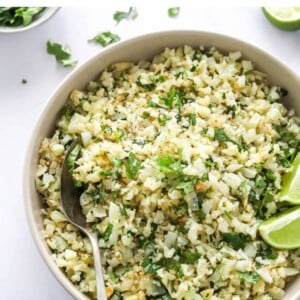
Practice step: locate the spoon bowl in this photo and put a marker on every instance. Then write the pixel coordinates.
(69, 195)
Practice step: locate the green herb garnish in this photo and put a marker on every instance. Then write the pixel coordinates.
(105, 38)
(173, 12)
(251, 277)
(236, 240)
(97, 194)
(189, 257)
(133, 165)
(71, 159)
(16, 16)
(220, 135)
(24, 81)
(187, 186)
(61, 53)
(123, 15)
(192, 119)
(146, 86)
(169, 165)
(174, 98)
(107, 232)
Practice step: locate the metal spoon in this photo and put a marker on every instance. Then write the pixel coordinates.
(71, 205)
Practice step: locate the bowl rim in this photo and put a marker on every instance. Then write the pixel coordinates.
(40, 244)
(45, 15)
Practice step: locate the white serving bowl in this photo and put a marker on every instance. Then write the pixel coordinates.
(135, 49)
(45, 15)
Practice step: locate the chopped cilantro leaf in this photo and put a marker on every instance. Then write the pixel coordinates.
(61, 53)
(132, 166)
(220, 135)
(107, 232)
(267, 252)
(169, 165)
(150, 266)
(173, 12)
(97, 194)
(189, 257)
(72, 158)
(146, 86)
(68, 112)
(236, 240)
(251, 277)
(260, 182)
(163, 119)
(105, 38)
(123, 211)
(187, 186)
(24, 81)
(174, 98)
(123, 15)
(192, 119)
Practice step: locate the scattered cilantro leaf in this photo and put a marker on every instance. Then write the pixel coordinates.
(236, 240)
(107, 232)
(105, 38)
(189, 257)
(169, 165)
(173, 12)
(220, 135)
(123, 15)
(187, 186)
(61, 53)
(251, 277)
(28, 13)
(68, 112)
(72, 158)
(123, 211)
(146, 86)
(192, 119)
(174, 98)
(97, 194)
(24, 81)
(267, 252)
(132, 166)
(150, 266)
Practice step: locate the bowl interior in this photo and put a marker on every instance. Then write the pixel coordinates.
(143, 47)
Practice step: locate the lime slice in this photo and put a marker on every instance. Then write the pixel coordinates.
(282, 231)
(284, 18)
(290, 191)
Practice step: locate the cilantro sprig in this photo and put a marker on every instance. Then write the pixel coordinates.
(251, 277)
(61, 53)
(131, 14)
(236, 240)
(105, 38)
(221, 136)
(173, 12)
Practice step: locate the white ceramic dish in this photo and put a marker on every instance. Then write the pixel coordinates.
(142, 47)
(45, 15)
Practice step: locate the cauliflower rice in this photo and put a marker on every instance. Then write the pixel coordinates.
(181, 160)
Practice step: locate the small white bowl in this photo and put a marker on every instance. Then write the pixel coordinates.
(45, 15)
(142, 47)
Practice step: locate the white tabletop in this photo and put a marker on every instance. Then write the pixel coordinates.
(23, 273)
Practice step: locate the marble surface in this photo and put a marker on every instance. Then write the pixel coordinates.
(23, 274)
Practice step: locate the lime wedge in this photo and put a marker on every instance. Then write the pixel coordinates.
(284, 18)
(282, 231)
(290, 191)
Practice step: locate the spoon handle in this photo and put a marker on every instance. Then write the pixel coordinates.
(101, 294)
